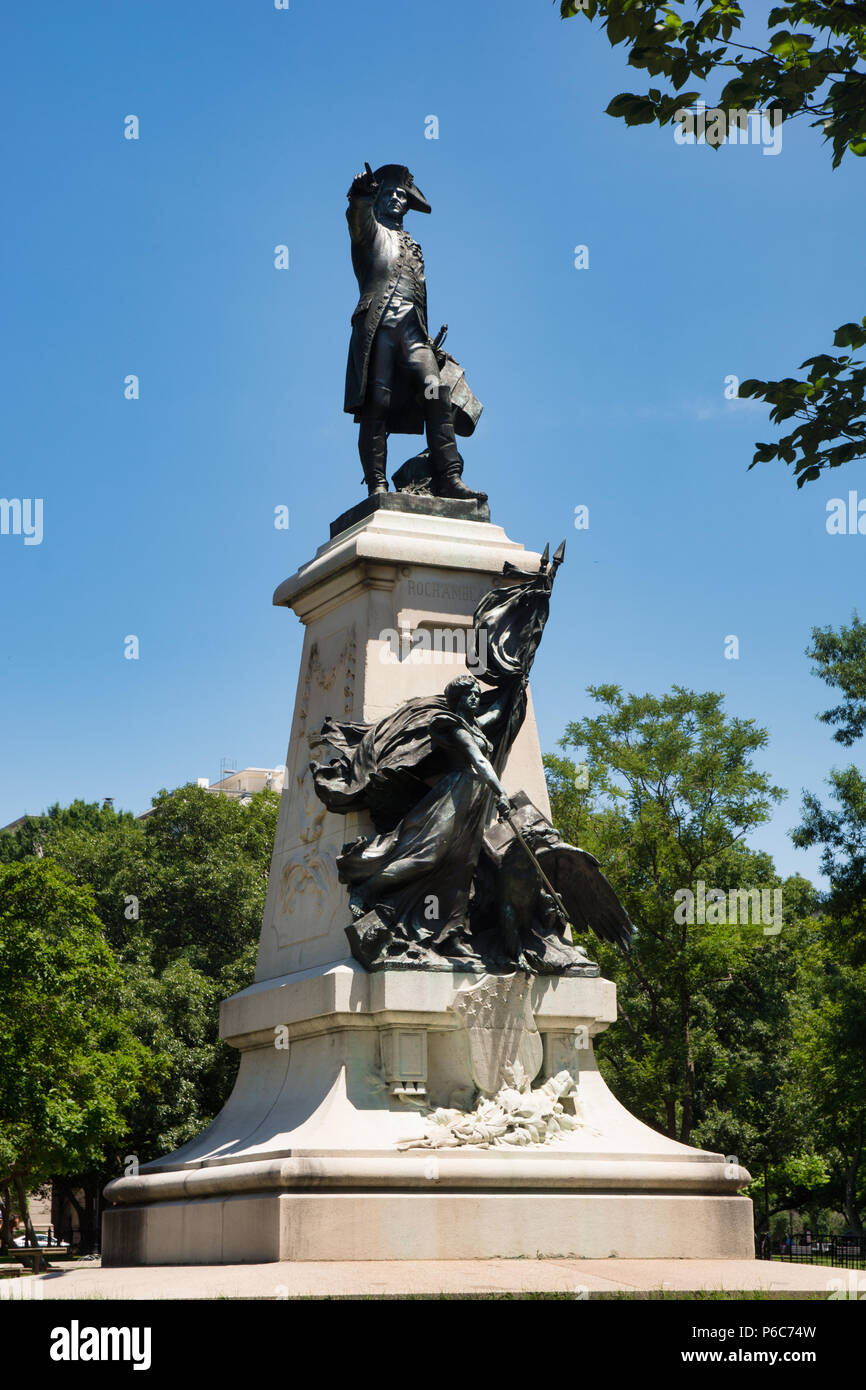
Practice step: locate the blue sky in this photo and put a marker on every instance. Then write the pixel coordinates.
(602, 387)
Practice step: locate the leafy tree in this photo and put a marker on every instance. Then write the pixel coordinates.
(180, 896)
(709, 1014)
(70, 1065)
(200, 880)
(34, 836)
(833, 1032)
(828, 1055)
(812, 66)
(789, 74)
(672, 792)
(830, 404)
(666, 797)
(755, 1102)
(189, 880)
(205, 877)
(175, 1017)
(841, 663)
(840, 828)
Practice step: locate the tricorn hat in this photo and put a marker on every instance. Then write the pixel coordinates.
(398, 173)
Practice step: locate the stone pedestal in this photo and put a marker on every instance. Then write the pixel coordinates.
(387, 607)
(323, 1151)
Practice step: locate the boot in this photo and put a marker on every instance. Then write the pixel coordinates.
(373, 448)
(450, 484)
(444, 457)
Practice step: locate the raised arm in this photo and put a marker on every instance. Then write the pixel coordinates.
(359, 213)
(494, 712)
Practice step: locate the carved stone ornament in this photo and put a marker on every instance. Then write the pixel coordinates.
(515, 1116)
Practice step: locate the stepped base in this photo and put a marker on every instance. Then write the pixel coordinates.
(429, 1226)
(323, 1151)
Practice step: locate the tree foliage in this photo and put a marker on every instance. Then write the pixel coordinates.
(672, 792)
(830, 404)
(840, 659)
(70, 1063)
(176, 902)
(819, 74)
(833, 1031)
(704, 1050)
(828, 1054)
(814, 65)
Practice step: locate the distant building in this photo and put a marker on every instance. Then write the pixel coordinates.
(241, 785)
(244, 784)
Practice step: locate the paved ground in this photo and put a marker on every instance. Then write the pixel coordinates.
(459, 1277)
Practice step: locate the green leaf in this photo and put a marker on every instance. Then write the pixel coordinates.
(751, 387)
(810, 475)
(781, 43)
(617, 29)
(642, 113)
(764, 453)
(621, 104)
(849, 335)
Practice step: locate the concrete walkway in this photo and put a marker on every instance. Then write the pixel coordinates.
(580, 1278)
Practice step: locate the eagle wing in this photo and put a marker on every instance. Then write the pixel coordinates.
(588, 896)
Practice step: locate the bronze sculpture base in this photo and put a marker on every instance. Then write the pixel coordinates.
(415, 503)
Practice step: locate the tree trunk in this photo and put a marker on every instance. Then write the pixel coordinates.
(24, 1208)
(67, 1194)
(671, 1113)
(688, 1119)
(7, 1216)
(852, 1172)
(89, 1216)
(85, 1225)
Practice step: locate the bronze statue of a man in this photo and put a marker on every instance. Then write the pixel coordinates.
(393, 381)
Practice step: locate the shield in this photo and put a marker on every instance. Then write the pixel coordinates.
(505, 1047)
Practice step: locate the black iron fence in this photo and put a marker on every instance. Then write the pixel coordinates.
(846, 1252)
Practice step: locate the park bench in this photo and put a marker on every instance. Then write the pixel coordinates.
(34, 1255)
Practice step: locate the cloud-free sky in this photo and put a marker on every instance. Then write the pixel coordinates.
(603, 387)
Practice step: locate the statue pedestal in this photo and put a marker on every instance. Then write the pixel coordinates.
(320, 1152)
(323, 1151)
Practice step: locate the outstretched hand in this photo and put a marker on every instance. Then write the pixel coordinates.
(364, 182)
